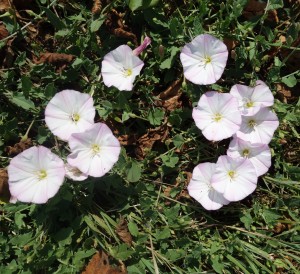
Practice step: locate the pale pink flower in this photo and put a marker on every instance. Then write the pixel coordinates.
(252, 99)
(74, 173)
(95, 151)
(121, 66)
(217, 115)
(35, 175)
(68, 112)
(258, 154)
(201, 190)
(234, 178)
(142, 47)
(258, 128)
(204, 59)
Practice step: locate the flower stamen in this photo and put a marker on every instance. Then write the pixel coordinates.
(231, 174)
(95, 149)
(252, 123)
(42, 174)
(217, 117)
(127, 72)
(246, 152)
(75, 117)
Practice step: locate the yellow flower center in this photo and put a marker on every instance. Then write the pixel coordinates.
(95, 149)
(75, 117)
(207, 60)
(127, 72)
(246, 152)
(252, 123)
(231, 174)
(249, 104)
(217, 117)
(42, 174)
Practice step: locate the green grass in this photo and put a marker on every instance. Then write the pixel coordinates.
(171, 232)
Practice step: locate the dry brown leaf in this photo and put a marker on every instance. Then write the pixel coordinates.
(54, 58)
(97, 6)
(3, 31)
(123, 232)
(19, 147)
(231, 44)
(99, 264)
(4, 189)
(283, 92)
(116, 25)
(126, 139)
(170, 98)
(145, 142)
(5, 5)
(256, 8)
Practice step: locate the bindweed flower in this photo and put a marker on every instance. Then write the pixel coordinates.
(74, 173)
(121, 66)
(217, 115)
(68, 112)
(201, 190)
(95, 151)
(204, 59)
(258, 154)
(35, 175)
(234, 178)
(252, 99)
(258, 128)
(142, 47)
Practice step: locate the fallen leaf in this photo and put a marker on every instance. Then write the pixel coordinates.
(123, 232)
(230, 43)
(146, 142)
(283, 92)
(170, 98)
(4, 189)
(5, 5)
(116, 25)
(97, 6)
(3, 31)
(99, 264)
(19, 147)
(54, 58)
(256, 8)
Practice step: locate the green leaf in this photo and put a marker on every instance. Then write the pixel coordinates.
(274, 4)
(290, 81)
(54, 20)
(161, 234)
(167, 63)
(142, 4)
(155, 117)
(169, 160)
(133, 173)
(20, 100)
(247, 220)
(178, 140)
(96, 24)
(133, 229)
(122, 252)
(26, 85)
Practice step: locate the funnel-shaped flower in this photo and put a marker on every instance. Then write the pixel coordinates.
(258, 128)
(35, 175)
(258, 154)
(68, 112)
(201, 190)
(95, 151)
(74, 173)
(121, 66)
(252, 99)
(217, 115)
(234, 178)
(204, 59)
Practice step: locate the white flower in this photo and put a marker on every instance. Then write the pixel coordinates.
(204, 59)
(120, 67)
(217, 115)
(95, 151)
(35, 175)
(258, 154)
(74, 173)
(201, 190)
(234, 178)
(258, 128)
(252, 99)
(68, 112)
